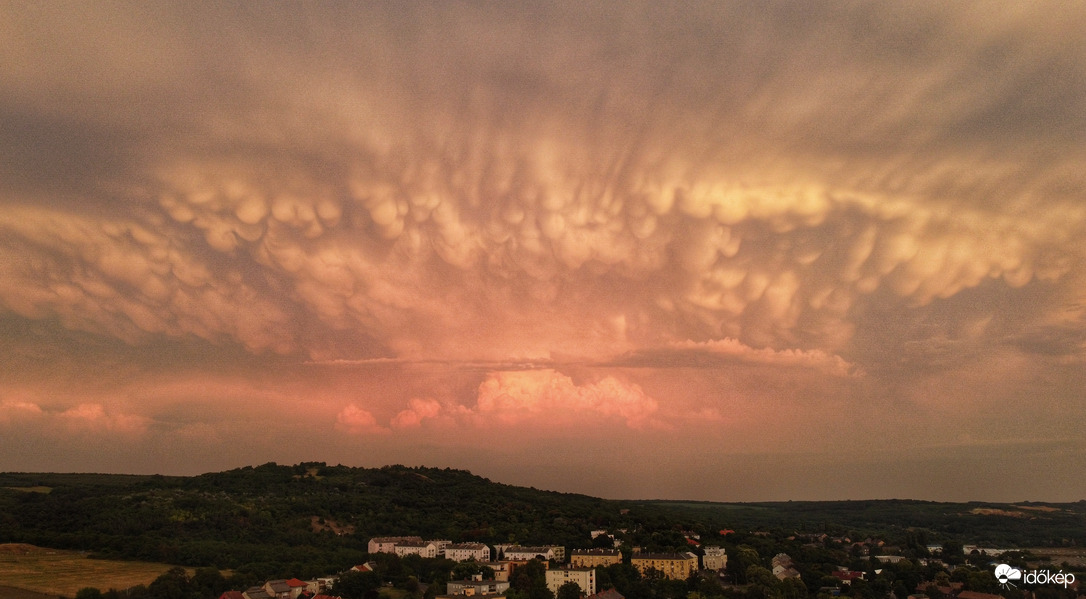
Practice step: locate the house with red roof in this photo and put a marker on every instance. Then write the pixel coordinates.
(847, 576)
(976, 595)
(297, 587)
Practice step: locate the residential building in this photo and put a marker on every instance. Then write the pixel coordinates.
(608, 594)
(676, 566)
(846, 576)
(518, 553)
(977, 595)
(584, 577)
(952, 589)
(324, 584)
(559, 553)
(460, 552)
(782, 572)
(715, 558)
(277, 589)
(501, 570)
(782, 559)
(421, 548)
(476, 587)
(297, 587)
(388, 544)
(593, 558)
(256, 593)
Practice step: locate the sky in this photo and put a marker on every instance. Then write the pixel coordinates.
(727, 251)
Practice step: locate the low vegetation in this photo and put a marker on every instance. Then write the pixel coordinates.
(58, 572)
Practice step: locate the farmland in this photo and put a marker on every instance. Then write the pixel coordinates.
(57, 572)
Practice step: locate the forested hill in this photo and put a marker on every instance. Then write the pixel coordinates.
(313, 517)
(257, 514)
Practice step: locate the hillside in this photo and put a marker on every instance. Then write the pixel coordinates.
(312, 517)
(308, 513)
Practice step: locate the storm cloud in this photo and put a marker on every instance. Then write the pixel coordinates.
(418, 218)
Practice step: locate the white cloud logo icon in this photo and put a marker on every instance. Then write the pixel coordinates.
(1004, 573)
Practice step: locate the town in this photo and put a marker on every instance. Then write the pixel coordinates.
(314, 531)
(410, 567)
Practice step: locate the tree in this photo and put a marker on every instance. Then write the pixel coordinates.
(745, 557)
(88, 593)
(172, 584)
(531, 579)
(569, 590)
(763, 584)
(467, 569)
(356, 585)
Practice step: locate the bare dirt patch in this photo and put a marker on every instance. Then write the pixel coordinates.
(1039, 508)
(318, 526)
(988, 511)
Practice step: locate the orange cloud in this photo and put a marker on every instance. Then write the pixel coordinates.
(547, 395)
(418, 410)
(358, 421)
(94, 417)
(17, 411)
(816, 359)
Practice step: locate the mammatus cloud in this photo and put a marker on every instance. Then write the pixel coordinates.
(558, 206)
(484, 207)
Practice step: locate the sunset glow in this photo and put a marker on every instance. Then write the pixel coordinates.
(727, 251)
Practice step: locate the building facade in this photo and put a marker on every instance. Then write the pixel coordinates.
(424, 549)
(476, 587)
(594, 558)
(388, 544)
(676, 566)
(517, 553)
(714, 559)
(584, 577)
(462, 552)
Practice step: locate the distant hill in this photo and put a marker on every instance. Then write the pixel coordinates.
(275, 513)
(313, 516)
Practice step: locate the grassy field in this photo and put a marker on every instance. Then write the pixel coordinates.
(14, 593)
(56, 572)
(37, 489)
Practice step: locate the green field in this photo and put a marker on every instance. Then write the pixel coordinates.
(57, 572)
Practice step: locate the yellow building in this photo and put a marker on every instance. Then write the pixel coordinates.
(676, 566)
(594, 558)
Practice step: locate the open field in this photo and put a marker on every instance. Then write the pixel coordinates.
(1076, 556)
(14, 593)
(37, 489)
(57, 572)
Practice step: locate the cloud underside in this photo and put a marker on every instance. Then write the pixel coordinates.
(423, 195)
(565, 208)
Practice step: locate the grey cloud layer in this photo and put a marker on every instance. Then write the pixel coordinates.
(504, 182)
